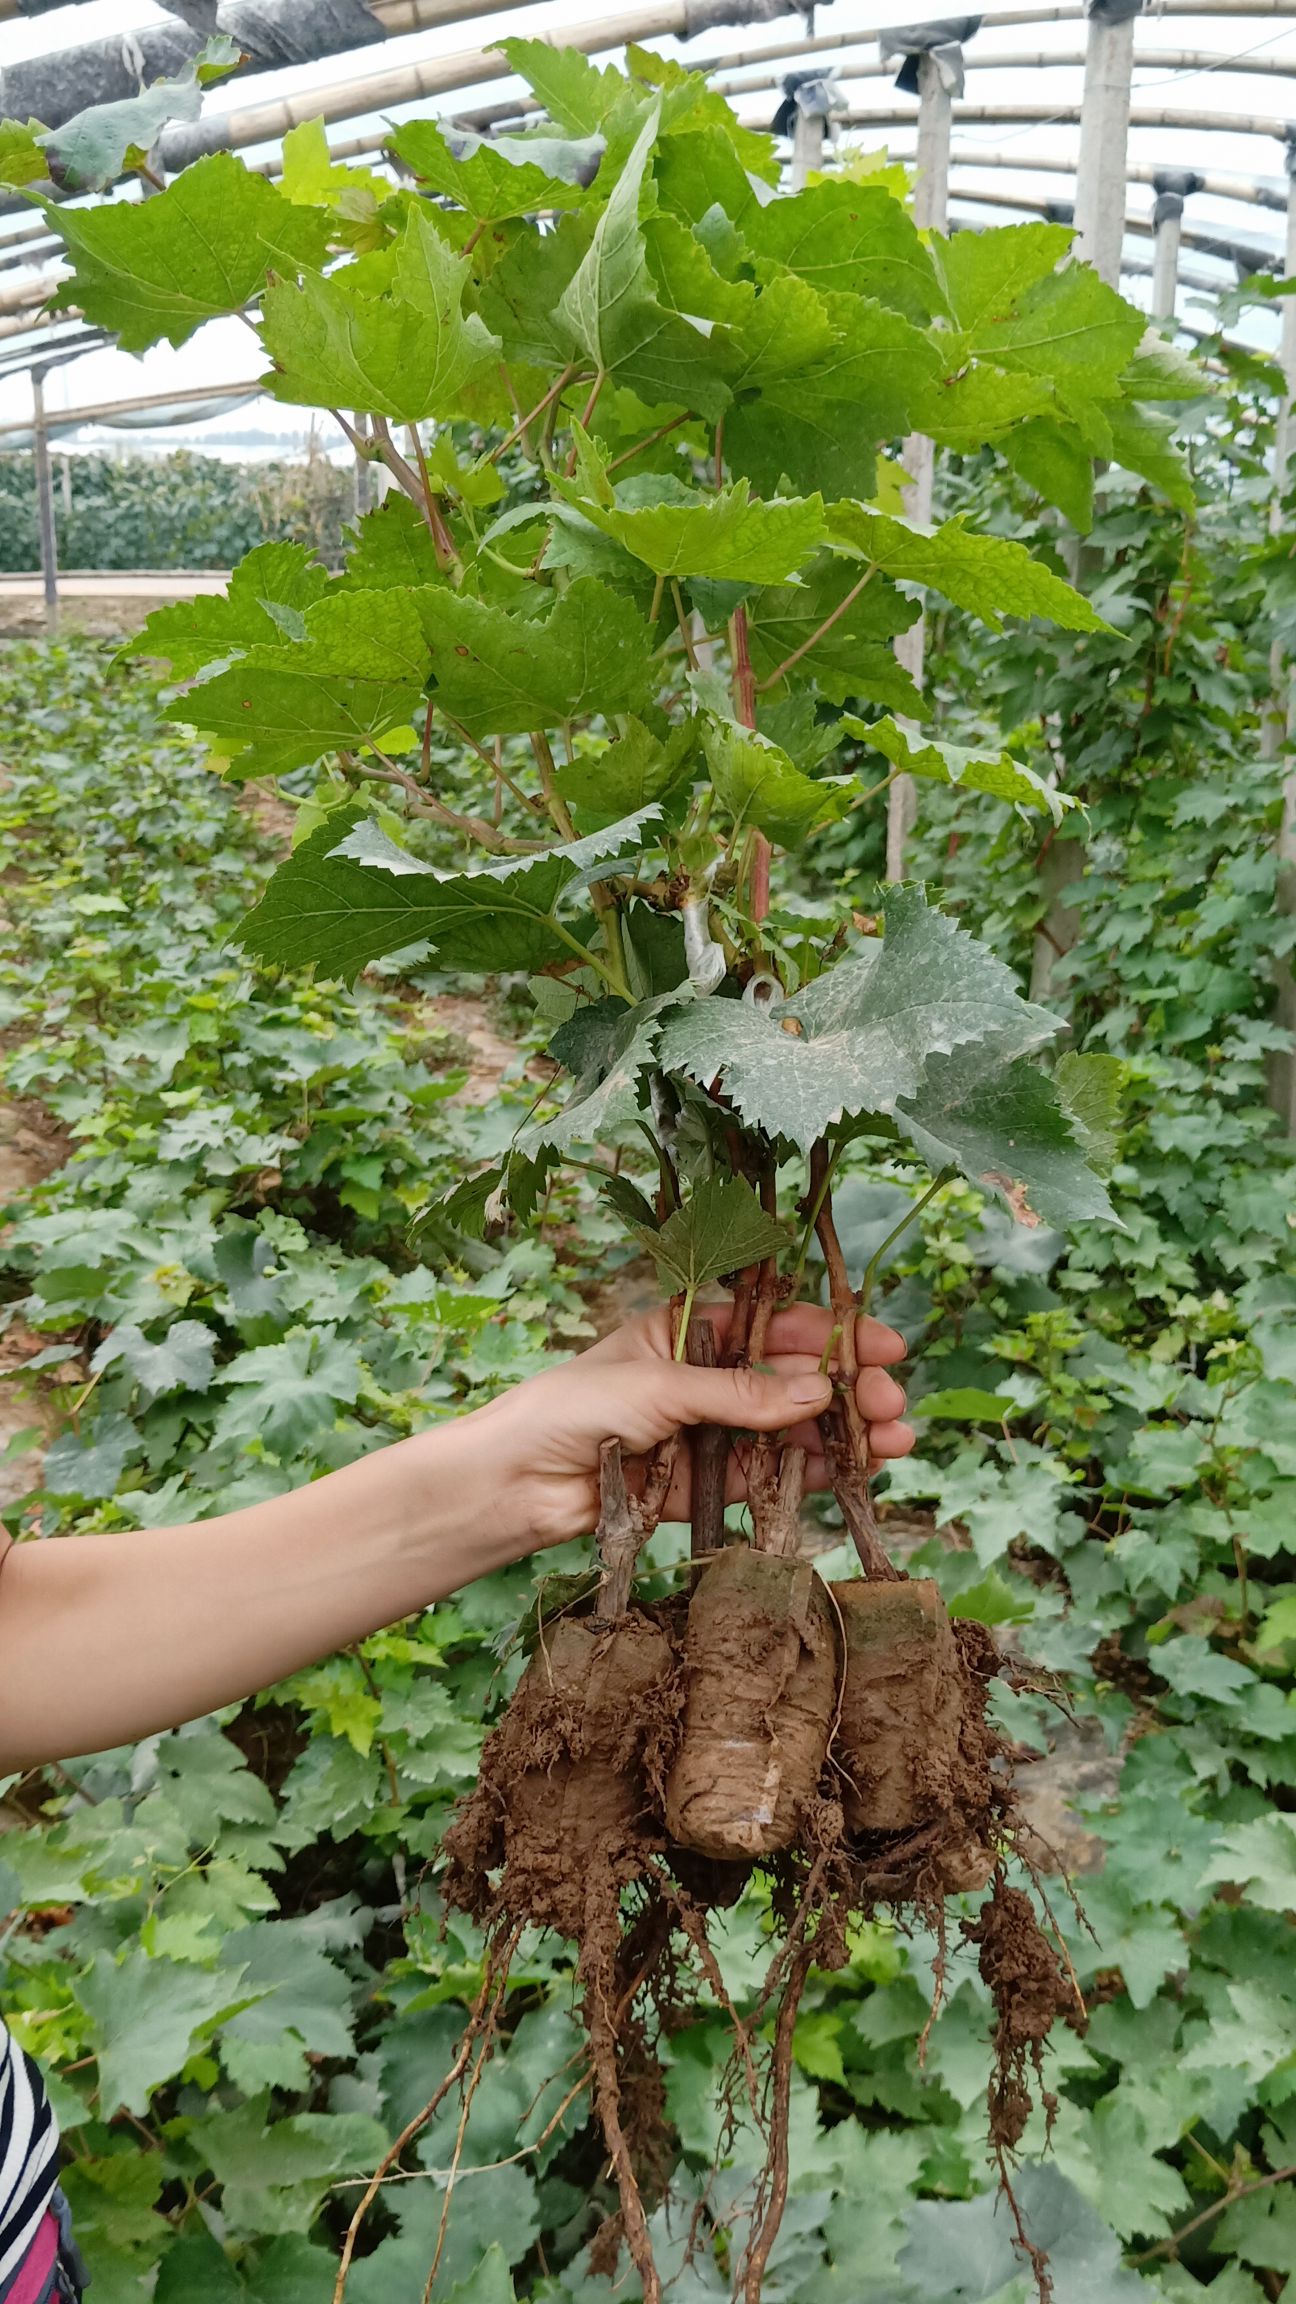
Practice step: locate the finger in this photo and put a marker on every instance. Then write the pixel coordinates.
(890, 1441)
(807, 1328)
(880, 1398)
(748, 1399)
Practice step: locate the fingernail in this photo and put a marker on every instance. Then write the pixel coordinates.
(809, 1391)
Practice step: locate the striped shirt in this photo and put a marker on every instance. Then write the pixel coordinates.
(28, 2155)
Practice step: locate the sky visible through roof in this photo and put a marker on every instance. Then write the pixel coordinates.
(1243, 66)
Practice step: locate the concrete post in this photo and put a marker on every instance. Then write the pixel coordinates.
(1104, 135)
(807, 145)
(931, 214)
(1279, 726)
(45, 500)
(1173, 186)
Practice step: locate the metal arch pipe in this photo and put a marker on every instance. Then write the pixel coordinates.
(1066, 115)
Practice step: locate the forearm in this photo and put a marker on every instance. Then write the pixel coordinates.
(106, 1639)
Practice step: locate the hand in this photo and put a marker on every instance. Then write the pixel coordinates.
(545, 1448)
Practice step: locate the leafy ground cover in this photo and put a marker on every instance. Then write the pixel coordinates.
(224, 1945)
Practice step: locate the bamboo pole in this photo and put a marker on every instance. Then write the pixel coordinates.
(193, 395)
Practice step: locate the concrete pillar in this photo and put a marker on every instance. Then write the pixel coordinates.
(1104, 135)
(45, 500)
(1172, 186)
(1280, 722)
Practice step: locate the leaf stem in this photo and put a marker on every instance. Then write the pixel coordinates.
(682, 618)
(520, 429)
(913, 1211)
(847, 601)
(426, 804)
(627, 455)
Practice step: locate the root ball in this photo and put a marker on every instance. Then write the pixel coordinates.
(761, 1672)
(897, 1741)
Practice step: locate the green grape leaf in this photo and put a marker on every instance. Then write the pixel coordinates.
(635, 771)
(852, 657)
(408, 353)
(580, 96)
(182, 1362)
(392, 549)
(1050, 457)
(985, 274)
(22, 158)
(861, 1036)
(727, 537)
(614, 317)
(971, 768)
(1003, 1123)
(502, 674)
(348, 895)
(155, 269)
(357, 672)
(145, 2015)
(264, 602)
(721, 1229)
(500, 176)
(851, 239)
(821, 427)
(1143, 443)
(1069, 326)
(966, 2252)
(274, 2178)
(608, 1048)
(1259, 1857)
(1160, 370)
(1091, 1088)
(978, 404)
(988, 575)
(758, 784)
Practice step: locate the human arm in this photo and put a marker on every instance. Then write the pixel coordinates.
(107, 1639)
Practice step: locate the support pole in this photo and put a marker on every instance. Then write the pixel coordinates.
(1173, 186)
(1279, 725)
(45, 500)
(364, 471)
(807, 146)
(1104, 136)
(937, 83)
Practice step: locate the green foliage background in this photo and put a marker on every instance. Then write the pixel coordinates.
(181, 510)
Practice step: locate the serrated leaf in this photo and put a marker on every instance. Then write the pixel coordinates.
(987, 574)
(155, 269)
(1161, 370)
(1091, 1088)
(22, 160)
(822, 427)
(863, 1034)
(500, 176)
(758, 784)
(727, 537)
(722, 1228)
(1069, 326)
(501, 674)
(336, 910)
(636, 771)
(265, 601)
(985, 274)
(612, 312)
(274, 2177)
(1005, 1126)
(358, 671)
(1259, 1857)
(853, 656)
(406, 353)
(967, 766)
(608, 1048)
(1144, 443)
(853, 240)
(181, 1362)
(965, 2251)
(145, 2014)
(581, 96)
(1052, 458)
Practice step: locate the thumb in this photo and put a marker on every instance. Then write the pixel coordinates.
(756, 1400)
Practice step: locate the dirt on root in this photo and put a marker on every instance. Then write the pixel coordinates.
(761, 1671)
